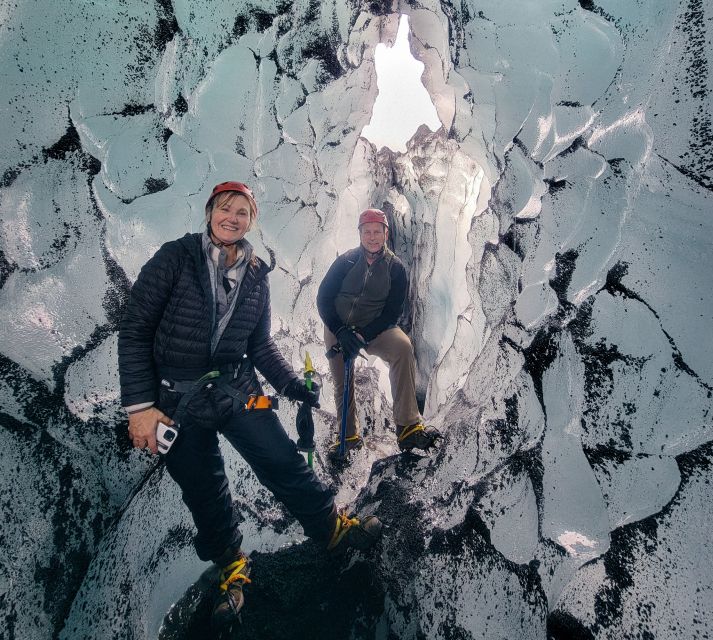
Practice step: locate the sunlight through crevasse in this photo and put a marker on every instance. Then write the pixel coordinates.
(403, 104)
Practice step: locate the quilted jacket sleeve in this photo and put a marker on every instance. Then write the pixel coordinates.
(137, 331)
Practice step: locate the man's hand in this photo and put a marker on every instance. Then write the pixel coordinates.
(142, 427)
(350, 342)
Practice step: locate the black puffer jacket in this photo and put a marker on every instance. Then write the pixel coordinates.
(166, 330)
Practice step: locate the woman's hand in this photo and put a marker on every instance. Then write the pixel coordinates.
(142, 427)
(297, 390)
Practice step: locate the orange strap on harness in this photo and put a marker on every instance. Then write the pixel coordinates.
(260, 402)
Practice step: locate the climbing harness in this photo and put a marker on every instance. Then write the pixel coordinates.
(220, 379)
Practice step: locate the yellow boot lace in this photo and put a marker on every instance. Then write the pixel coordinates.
(343, 524)
(234, 572)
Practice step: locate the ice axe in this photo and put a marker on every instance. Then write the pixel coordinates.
(345, 409)
(305, 422)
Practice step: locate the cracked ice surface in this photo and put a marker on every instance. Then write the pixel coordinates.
(557, 236)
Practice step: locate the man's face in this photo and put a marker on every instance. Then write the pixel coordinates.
(373, 236)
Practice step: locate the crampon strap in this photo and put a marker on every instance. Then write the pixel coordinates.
(234, 572)
(354, 438)
(414, 428)
(344, 523)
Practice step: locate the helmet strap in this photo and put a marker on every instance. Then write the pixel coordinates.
(217, 242)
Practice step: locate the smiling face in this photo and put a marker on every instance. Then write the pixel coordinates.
(231, 217)
(373, 236)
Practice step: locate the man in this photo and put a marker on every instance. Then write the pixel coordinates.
(360, 301)
(196, 326)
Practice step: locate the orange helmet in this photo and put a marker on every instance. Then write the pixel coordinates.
(238, 187)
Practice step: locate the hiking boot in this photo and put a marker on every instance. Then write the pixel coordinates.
(353, 443)
(230, 597)
(355, 533)
(417, 436)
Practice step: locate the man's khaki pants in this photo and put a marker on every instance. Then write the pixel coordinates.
(393, 347)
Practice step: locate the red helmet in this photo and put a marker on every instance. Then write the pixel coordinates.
(238, 187)
(373, 215)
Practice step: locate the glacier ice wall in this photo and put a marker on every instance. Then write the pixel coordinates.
(557, 233)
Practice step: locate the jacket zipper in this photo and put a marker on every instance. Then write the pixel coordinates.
(361, 293)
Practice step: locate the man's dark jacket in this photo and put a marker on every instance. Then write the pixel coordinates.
(369, 298)
(166, 330)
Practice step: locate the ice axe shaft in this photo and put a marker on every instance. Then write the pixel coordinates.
(345, 408)
(305, 422)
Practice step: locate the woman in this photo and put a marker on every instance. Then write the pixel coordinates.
(196, 326)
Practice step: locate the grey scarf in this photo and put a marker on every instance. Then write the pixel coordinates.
(225, 282)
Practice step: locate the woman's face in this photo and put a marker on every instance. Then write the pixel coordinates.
(230, 219)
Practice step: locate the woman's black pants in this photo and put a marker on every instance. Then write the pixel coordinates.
(196, 464)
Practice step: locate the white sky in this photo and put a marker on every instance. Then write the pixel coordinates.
(403, 104)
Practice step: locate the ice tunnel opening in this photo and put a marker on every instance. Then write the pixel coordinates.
(403, 104)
